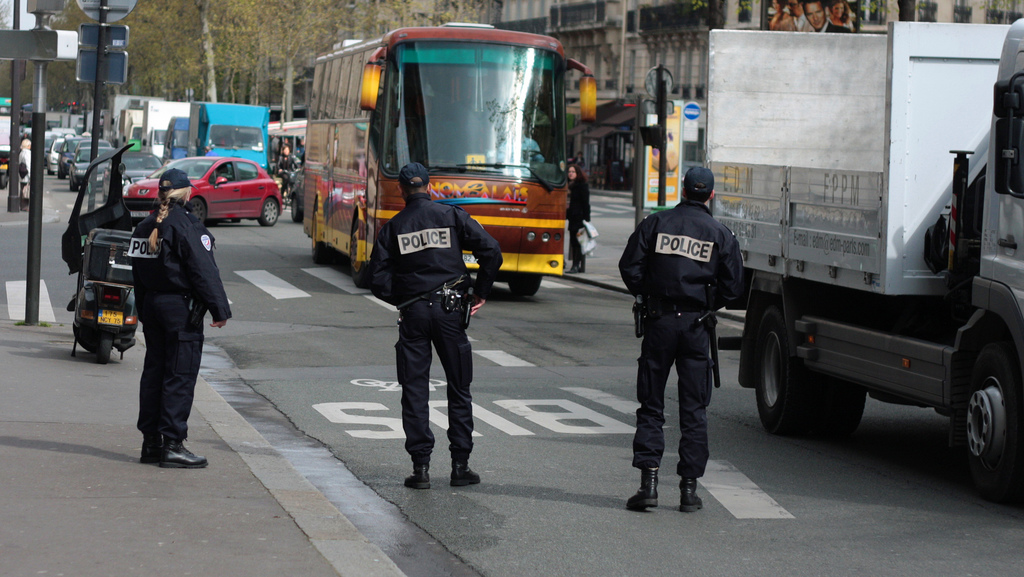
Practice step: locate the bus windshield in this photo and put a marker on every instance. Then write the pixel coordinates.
(236, 137)
(487, 107)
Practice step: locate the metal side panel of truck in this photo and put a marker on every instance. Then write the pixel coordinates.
(839, 167)
(833, 159)
(206, 116)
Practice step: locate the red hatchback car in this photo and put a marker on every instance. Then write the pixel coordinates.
(226, 188)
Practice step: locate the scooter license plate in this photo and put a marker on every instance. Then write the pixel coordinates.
(111, 317)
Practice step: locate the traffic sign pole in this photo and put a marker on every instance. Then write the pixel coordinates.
(97, 87)
(663, 153)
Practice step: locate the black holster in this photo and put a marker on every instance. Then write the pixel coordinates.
(639, 316)
(196, 312)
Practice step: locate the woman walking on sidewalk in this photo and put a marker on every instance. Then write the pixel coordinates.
(25, 160)
(577, 212)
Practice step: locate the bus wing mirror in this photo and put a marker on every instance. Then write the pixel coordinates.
(371, 85)
(371, 79)
(588, 91)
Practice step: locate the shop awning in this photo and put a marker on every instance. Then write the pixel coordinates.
(599, 132)
(626, 116)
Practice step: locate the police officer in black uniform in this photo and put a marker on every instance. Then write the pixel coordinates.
(684, 264)
(417, 265)
(176, 281)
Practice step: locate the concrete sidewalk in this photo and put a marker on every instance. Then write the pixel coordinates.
(74, 499)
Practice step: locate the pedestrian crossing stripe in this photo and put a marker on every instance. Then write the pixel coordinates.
(272, 285)
(16, 298)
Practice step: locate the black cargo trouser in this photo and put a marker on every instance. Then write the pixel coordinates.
(674, 338)
(174, 351)
(424, 323)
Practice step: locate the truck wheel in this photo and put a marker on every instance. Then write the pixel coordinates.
(838, 408)
(994, 424)
(359, 264)
(103, 348)
(524, 285)
(783, 397)
(296, 209)
(322, 254)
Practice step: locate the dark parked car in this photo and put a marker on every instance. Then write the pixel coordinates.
(65, 153)
(137, 166)
(226, 189)
(80, 162)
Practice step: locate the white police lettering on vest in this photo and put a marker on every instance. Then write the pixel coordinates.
(139, 248)
(423, 239)
(699, 250)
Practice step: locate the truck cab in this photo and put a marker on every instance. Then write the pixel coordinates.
(230, 130)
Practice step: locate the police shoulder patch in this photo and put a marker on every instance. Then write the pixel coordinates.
(207, 243)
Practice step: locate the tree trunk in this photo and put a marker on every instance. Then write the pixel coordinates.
(211, 72)
(289, 91)
(907, 9)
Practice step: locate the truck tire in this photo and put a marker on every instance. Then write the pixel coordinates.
(524, 285)
(838, 408)
(783, 396)
(358, 264)
(322, 254)
(994, 424)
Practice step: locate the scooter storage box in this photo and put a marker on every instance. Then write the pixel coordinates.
(106, 256)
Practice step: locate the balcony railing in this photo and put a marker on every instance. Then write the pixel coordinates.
(962, 14)
(874, 12)
(531, 25)
(671, 17)
(994, 16)
(926, 11)
(573, 15)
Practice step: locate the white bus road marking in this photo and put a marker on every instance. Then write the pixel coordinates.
(16, 296)
(607, 399)
(572, 412)
(503, 359)
(272, 285)
(338, 413)
(739, 494)
(336, 278)
(382, 303)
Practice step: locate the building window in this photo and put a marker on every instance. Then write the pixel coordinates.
(873, 12)
(961, 12)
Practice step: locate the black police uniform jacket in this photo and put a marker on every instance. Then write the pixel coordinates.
(674, 254)
(182, 264)
(421, 248)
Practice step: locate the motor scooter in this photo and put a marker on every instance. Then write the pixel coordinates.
(95, 246)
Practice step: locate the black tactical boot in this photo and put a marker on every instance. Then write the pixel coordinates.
(647, 496)
(176, 456)
(689, 501)
(152, 448)
(462, 475)
(420, 478)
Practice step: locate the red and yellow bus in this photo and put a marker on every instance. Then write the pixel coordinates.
(483, 109)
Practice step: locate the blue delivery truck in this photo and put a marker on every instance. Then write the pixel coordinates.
(229, 130)
(176, 139)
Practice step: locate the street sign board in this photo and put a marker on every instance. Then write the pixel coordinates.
(88, 35)
(117, 66)
(691, 111)
(116, 9)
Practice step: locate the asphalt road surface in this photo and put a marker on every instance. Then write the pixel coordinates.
(554, 392)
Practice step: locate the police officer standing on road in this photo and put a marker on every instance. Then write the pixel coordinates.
(685, 265)
(417, 265)
(176, 281)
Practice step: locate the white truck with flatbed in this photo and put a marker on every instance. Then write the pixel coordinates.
(876, 187)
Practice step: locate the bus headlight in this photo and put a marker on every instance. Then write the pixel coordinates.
(531, 235)
(545, 237)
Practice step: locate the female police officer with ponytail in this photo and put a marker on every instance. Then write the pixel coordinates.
(176, 280)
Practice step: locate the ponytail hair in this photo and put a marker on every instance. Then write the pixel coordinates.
(166, 197)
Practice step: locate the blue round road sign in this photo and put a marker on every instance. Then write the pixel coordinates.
(691, 111)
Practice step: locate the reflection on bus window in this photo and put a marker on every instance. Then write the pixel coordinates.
(452, 103)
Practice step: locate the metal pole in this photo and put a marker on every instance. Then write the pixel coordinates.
(663, 145)
(97, 89)
(35, 209)
(14, 192)
(639, 167)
